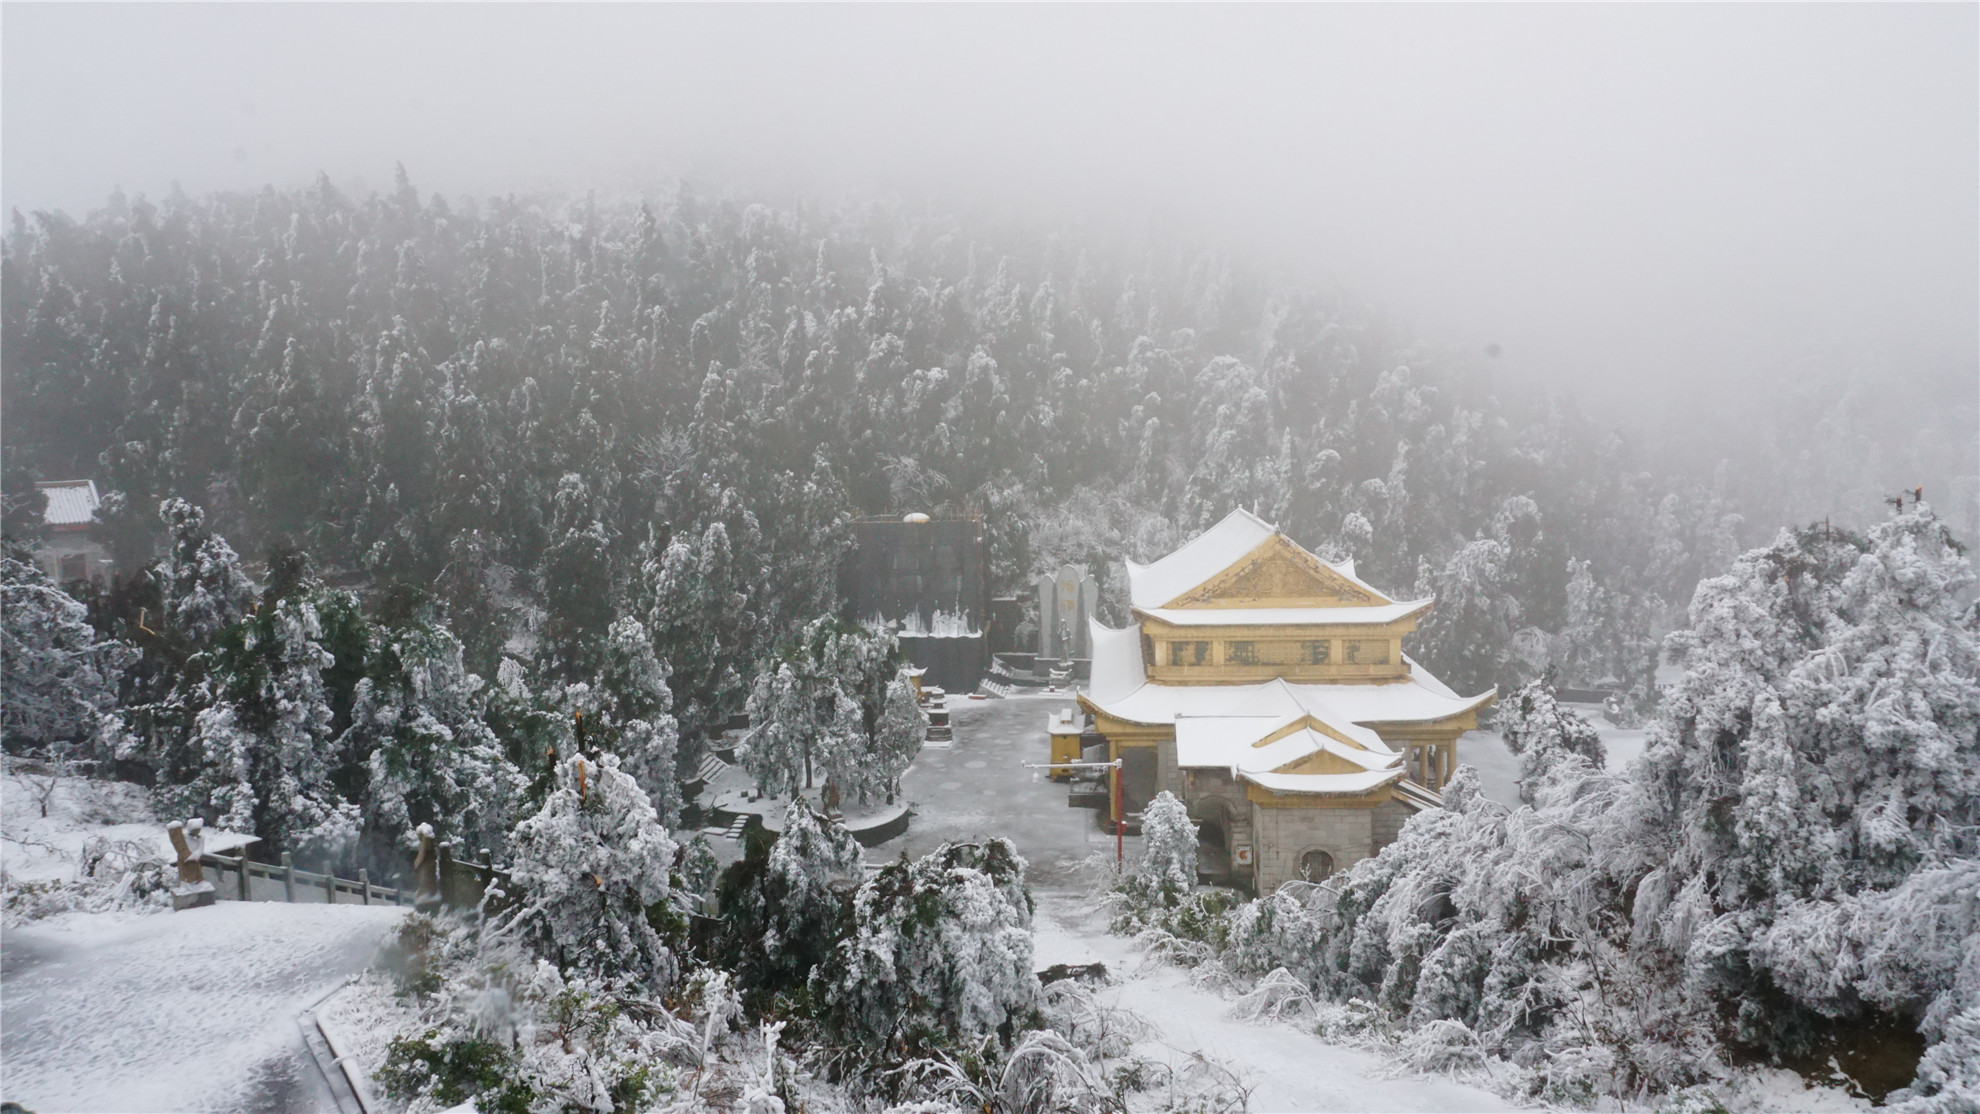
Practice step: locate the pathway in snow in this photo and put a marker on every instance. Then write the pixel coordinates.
(1288, 1069)
(175, 1011)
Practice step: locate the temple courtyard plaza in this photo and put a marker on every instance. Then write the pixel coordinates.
(979, 787)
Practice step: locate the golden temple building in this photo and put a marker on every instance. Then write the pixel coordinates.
(1269, 690)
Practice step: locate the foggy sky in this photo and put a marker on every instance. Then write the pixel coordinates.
(1637, 201)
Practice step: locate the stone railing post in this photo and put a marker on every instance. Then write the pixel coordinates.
(193, 889)
(426, 871)
(364, 884)
(288, 878)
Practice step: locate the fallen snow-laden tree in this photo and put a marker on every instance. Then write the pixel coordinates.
(940, 952)
(785, 909)
(1793, 859)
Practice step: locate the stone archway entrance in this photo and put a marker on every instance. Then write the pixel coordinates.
(1316, 866)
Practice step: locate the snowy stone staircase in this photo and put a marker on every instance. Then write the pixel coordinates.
(710, 769)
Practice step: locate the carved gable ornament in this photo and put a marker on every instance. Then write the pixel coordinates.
(1278, 574)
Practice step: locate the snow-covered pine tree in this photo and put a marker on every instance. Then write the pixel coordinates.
(1167, 869)
(59, 677)
(701, 625)
(898, 734)
(264, 740)
(593, 867)
(576, 575)
(1545, 736)
(1466, 638)
(204, 588)
(419, 724)
(940, 952)
(787, 910)
(634, 717)
(836, 708)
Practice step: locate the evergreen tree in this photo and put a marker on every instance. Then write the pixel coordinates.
(205, 590)
(787, 909)
(633, 716)
(593, 867)
(1823, 742)
(419, 726)
(263, 742)
(699, 620)
(1545, 735)
(576, 575)
(836, 709)
(1167, 869)
(59, 677)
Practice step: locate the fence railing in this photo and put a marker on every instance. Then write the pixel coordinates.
(446, 881)
(440, 880)
(239, 878)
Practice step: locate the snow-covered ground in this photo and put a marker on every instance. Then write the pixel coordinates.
(1286, 1068)
(136, 1008)
(176, 1011)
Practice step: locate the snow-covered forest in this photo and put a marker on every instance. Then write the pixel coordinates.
(488, 515)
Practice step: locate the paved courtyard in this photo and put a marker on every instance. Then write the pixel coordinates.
(979, 788)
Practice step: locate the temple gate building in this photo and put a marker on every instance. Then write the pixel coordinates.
(1268, 689)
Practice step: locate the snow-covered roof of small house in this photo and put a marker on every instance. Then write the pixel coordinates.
(70, 502)
(1280, 753)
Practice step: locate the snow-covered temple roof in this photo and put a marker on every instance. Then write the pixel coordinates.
(1286, 616)
(70, 502)
(1233, 727)
(1270, 751)
(1199, 559)
(1153, 588)
(1120, 688)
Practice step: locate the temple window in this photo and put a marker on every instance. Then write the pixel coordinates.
(1189, 653)
(1316, 653)
(1241, 653)
(1365, 653)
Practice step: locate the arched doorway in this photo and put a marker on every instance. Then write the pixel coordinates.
(1316, 866)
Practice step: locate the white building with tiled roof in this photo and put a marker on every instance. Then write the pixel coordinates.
(1269, 690)
(69, 551)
